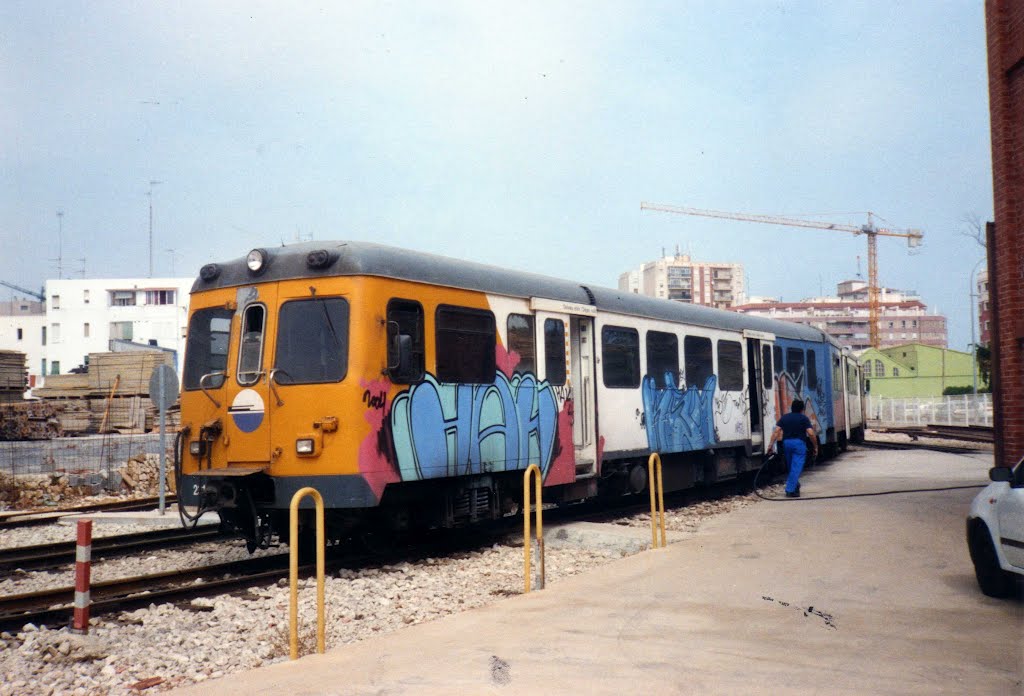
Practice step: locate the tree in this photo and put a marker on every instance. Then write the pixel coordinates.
(983, 355)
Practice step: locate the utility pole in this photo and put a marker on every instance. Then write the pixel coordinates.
(60, 244)
(150, 194)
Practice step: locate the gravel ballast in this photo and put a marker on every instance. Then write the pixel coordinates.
(166, 645)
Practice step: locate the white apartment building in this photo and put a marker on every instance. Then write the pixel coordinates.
(682, 279)
(21, 329)
(92, 315)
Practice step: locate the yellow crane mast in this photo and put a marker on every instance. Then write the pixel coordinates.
(913, 237)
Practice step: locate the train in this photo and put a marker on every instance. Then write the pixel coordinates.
(412, 390)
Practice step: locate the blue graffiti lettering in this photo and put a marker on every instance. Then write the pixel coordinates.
(457, 429)
(679, 420)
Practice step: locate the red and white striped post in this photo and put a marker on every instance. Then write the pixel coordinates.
(83, 568)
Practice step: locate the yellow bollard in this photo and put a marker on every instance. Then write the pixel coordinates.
(533, 468)
(657, 511)
(293, 560)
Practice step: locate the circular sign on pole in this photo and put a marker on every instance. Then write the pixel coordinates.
(163, 395)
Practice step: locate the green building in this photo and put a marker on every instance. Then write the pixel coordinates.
(915, 369)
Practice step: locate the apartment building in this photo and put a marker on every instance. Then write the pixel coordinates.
(682, 279)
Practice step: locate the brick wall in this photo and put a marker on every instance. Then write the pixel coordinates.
(1004, 20)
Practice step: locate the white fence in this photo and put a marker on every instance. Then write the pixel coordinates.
(968, 409)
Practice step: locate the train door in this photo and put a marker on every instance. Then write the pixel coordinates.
(247, 391)
(760, 387)
(565, 342)
(584, 430)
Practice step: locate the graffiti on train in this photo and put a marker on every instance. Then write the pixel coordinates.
(457, 429)
(679, 420)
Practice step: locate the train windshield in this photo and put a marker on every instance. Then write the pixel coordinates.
(312, 341)
(206, 349)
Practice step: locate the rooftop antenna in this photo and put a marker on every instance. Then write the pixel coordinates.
(858, 266)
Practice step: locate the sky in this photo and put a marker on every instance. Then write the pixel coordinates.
(523, 134)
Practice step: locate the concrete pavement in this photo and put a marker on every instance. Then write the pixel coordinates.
(842, 596)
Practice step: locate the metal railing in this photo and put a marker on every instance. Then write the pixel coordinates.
(293, 567)
(657, 489)
(962, 410)
(534, 470)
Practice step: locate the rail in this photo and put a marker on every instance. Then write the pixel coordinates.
(533, 469)
(293, 569)
(657, 488)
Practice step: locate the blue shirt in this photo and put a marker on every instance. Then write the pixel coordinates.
(794, 425)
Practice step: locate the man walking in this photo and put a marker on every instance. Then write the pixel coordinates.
(791, 429)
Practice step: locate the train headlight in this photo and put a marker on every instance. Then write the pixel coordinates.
(197, 448)
(256, 260)
(305, 445)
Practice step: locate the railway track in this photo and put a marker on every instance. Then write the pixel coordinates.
(970, 433)
(930, 446)
(43, 556)
(32, 518)
(54, 606)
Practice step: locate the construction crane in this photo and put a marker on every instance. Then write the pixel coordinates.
(913, 237)
(38, 295)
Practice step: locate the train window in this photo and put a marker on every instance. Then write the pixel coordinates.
(795, 363)
(312, 341)
(523, 341)
(250, 349)
(465, 345)
(837, 376)
(777, 355)
(554, 351)
(620, 348)
(206, 347)
(663, 358)
(405, 341)
(698, 360)
(812, 370)
(851, 378)
(766, 367)
(730, 366)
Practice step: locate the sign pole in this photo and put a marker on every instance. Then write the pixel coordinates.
(163, 442)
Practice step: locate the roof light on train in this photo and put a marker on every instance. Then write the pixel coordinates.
(256, 260)
(209, 272)
(321, 258)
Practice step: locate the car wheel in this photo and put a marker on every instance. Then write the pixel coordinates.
(993, 580)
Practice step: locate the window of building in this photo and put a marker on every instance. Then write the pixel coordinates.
(620, 349)
(121, 330)
(55, 367)
(55, 333)
(554, 351)
(55, 302)
(160, 297)
(766, 367)
(250, 351)
(19, 334)
(663, 359)
(697, 360)
(523, 341)
(44, 342)
(312, 341)
(206, 348)
(43, 371)
(85, 330)
(914, 323)
(903, 324)
(465, 341)
(405, 334)
(85, 296)
(895, 372)
(730, 366)
(122, 298)
(879, 369)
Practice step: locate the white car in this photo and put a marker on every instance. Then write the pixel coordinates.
(995, 532)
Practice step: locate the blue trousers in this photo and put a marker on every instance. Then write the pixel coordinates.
(796, 455)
